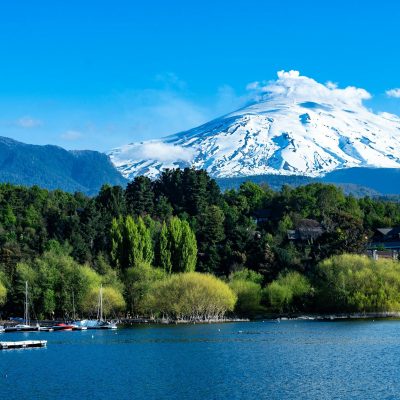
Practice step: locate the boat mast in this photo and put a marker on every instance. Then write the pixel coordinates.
(101, 302)
(26, 305)
(73, 306)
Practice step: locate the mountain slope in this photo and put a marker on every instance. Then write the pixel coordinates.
(296, 126)
(53, 167)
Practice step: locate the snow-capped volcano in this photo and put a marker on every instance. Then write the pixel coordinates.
(295, 126)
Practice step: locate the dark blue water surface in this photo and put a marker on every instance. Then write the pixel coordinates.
(258, 360)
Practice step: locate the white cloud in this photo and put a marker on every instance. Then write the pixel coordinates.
(28, 122)
(288, 75)
(301, 88)
(331, 85)
(156, 150)
(71, 135)
(393, 93)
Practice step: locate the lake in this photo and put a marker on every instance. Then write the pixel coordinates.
(253, 360)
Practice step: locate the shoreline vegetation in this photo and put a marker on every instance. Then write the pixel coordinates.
(178, 249)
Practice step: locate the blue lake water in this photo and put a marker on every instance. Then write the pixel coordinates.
(257, 360)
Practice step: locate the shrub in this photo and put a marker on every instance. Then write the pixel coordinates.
(287, 291)
(190, 296)
(359, 284)
(248, 296)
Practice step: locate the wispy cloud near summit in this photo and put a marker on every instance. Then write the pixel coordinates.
(293, 84)
(393, 93)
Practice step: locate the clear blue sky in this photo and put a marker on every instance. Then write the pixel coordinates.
(98, 74)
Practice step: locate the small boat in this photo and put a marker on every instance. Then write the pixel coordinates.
(63, 327)
(46, 329)
(79, 328)
(76, 325)
(93, 324)
(22, 328)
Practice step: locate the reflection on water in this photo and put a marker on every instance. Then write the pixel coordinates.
(260, 360)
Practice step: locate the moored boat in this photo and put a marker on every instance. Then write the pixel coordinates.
(76, 327)
(25, 325)
(63, 327)
(22, 328)
(100, 322)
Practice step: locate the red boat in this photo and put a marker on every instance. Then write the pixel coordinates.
(63, 327)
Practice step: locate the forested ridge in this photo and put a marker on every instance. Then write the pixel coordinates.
(180, 248)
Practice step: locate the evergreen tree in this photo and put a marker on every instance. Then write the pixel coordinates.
(139, 196)
(212, 225)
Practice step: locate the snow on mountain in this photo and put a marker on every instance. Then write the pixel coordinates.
(295, 126)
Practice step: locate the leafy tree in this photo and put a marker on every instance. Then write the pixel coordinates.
(145, 243)
(131, 242)
(165, 255)
(255, 195)
(248, 295)
(190, 296)
(356, 283)
(138, 282)
(246, 274)
(346, 235)
(177, 247)
(288, 291)
(117, 242)
(188, 249)
(113, 301)
(3, 289)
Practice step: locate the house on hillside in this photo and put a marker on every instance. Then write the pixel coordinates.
(385, 243)
(307, 230)
(262, 215)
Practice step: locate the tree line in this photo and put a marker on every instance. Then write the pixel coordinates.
(154, 236)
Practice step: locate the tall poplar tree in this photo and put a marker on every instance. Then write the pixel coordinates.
(132, 242)
(187, 249)
(165, 249)
(146, 252)
(177, 247)
(117, 241)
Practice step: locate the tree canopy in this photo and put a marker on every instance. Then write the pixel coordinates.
(179, 223)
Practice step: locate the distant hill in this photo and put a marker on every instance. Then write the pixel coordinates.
(53, 167)
(360, 182)
(384, 180)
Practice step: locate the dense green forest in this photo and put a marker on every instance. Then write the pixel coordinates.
(180, 248)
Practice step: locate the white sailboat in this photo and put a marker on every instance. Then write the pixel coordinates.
(26, 325)
(100, 322)
(76, 325)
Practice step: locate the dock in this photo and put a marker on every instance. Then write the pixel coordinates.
(22, 344)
